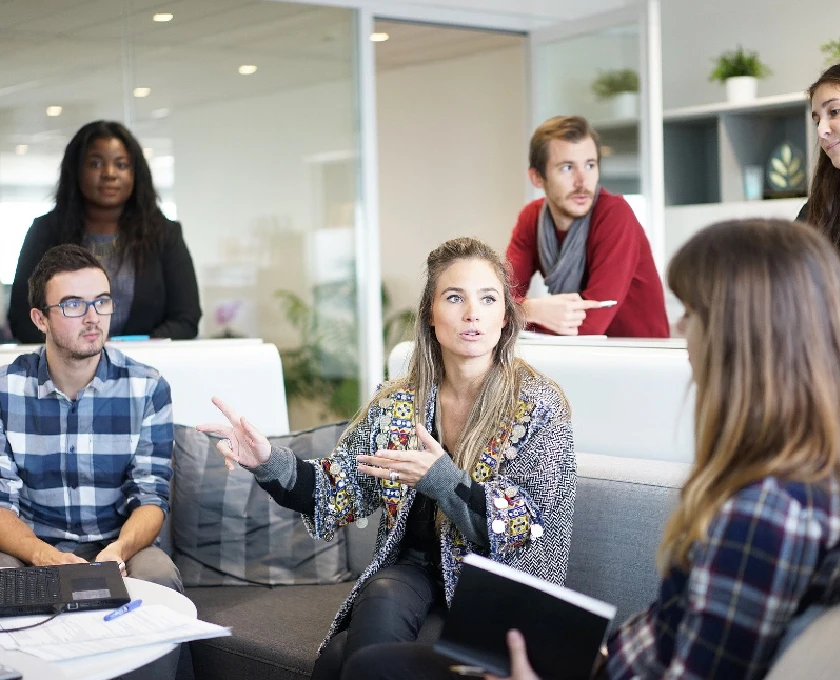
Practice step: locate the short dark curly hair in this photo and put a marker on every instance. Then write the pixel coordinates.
(67, 257)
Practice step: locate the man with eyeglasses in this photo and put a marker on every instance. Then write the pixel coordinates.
(85, 434)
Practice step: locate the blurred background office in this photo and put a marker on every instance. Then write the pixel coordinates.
(299, 197)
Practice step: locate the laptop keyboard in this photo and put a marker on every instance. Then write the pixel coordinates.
(29, 585)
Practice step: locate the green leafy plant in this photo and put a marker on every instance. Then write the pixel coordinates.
(738, 63)
(831, 49)
(610, 83)
(325, 367)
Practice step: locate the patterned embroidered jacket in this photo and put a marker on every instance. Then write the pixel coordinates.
(530, 463)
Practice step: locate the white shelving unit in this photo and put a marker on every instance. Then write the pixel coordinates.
(707, 147)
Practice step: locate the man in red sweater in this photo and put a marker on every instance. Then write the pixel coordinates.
(585, 241)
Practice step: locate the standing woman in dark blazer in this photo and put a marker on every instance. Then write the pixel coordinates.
(106, 201)
(823, 206)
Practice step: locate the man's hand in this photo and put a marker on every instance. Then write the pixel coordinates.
(562, 313)
(112, 553)
(409, 466)
(520, 668)
(49, 556)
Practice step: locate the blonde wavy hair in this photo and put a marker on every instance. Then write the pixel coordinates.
(766, 364)
(497, 399)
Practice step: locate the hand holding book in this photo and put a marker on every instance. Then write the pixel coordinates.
(520, 667)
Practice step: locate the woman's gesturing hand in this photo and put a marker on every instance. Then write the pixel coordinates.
(407, 467)
(241, 441)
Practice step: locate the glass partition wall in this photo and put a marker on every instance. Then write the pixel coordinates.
(248, 116)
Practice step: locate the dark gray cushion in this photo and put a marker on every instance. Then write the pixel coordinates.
(276, 631)
(226, 530)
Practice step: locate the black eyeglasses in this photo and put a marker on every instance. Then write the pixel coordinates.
(104, 306)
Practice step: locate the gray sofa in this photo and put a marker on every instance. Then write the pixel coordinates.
(621, 507)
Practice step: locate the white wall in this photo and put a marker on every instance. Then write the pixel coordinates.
(452, 159)
(786, 34)
(246, 178)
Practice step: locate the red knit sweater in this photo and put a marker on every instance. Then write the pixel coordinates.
(619, 266)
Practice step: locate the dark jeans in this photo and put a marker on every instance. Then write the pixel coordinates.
(398, 661)
(391, 607)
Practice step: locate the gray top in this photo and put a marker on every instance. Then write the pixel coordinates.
(121, 273)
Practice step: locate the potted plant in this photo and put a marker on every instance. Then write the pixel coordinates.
(740, 71)
(621, 87)
(831, 50)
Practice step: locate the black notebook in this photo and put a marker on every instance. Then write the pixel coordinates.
(563, 629)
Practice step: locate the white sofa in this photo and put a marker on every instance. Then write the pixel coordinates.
(629, 398)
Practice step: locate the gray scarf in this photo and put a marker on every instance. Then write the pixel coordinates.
(564, 266)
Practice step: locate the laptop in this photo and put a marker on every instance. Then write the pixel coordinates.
(65, 587)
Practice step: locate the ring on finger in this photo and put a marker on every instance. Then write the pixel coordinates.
(393, 475)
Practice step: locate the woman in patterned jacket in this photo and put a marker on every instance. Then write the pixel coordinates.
(471, 452)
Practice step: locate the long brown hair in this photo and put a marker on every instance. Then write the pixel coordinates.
(766, 294)
(824, 201)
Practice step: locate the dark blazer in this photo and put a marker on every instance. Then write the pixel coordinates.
(165, 289)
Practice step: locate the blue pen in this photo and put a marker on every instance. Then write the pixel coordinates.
(123, 610)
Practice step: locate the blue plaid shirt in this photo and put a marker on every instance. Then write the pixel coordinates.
(767, 547)
(74, 470)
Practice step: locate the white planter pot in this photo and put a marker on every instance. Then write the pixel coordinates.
(625, 105)
(740, 89)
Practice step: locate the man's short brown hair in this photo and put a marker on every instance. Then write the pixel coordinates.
(67, 257)
(566, 128)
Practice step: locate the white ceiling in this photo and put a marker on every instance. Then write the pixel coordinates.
(70, 52)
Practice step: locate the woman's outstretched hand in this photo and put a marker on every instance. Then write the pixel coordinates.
(520, 668)
(241, 442)
(408, 467)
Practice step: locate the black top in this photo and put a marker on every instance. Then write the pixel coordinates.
(165, 301)
(803, 214)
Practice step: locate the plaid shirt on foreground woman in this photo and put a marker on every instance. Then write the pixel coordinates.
(767, 547)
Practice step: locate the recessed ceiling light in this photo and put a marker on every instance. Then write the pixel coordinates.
(21, 149)
(160, 113)
(148, 152)
(247, 69)
(141, 92)
(163, 17)
(379, 37)
(53, 111)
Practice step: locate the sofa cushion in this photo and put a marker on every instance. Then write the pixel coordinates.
(621, 507)
(276, 631)
(226, 530)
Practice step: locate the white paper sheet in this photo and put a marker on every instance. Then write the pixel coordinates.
(71, 636)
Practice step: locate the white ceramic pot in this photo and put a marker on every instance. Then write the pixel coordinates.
(625, 105)
(740, 89)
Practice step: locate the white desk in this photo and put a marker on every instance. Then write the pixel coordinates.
(105, 666)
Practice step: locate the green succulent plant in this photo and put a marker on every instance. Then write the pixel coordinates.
(610, 83)
(738, 63)
(831, 49)
(325, 366)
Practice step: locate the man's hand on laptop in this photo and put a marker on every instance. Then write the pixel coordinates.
(110, 553)
(49, 556)
(562, 313)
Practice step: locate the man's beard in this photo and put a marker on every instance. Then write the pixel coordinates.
(80, 354)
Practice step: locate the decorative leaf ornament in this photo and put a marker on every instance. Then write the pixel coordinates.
(785, 169)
